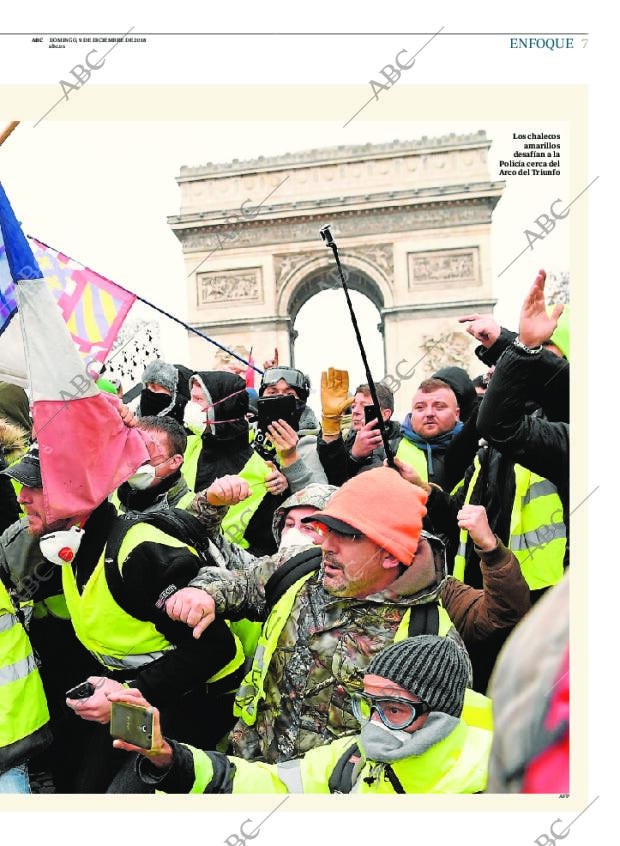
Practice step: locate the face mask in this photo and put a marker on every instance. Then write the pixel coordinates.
(142, 478)
(61, 547)
(152, 404)
(195, 418)
(295, 537)
(383, 744)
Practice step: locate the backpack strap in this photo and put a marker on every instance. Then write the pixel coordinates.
(341, 779)
(393, 779)
(289, 573)
(424, 619)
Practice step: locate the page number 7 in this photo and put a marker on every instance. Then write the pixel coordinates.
(584, 42)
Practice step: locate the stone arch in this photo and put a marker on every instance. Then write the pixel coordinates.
(320, 274)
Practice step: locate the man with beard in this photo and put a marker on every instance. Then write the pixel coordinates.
(376, 579)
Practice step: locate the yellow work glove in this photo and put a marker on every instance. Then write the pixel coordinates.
(334, 399)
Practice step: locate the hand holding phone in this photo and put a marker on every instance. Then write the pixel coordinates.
(81, 691)
(370, 413)
(160, 752)
(133, 724)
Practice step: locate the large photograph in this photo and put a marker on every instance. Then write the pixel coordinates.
(325, 386)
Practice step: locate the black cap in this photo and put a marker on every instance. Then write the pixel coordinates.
(332, 523)
(27, 470)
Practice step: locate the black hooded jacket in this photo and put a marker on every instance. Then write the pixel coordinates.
(228, 450)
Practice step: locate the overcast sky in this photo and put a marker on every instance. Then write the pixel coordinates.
(101, 192)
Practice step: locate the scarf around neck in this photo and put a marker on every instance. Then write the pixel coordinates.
(430, 444)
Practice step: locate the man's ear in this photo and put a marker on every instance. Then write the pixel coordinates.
(386, 413)
(390, 561)
(176, 461)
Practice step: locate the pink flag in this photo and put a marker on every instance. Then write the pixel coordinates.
(85, 449)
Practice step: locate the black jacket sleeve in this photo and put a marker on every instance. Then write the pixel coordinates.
(461, 451)
(538, 444)
(9, 507)
(334, 458)
(491, 355)
(151, 573)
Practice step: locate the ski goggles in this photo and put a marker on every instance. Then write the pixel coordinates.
(295, 378)
(394, 712)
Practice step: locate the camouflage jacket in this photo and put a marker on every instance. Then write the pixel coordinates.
(320, 657)
(327, 642)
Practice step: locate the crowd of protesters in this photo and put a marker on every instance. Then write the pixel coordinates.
(301, 603)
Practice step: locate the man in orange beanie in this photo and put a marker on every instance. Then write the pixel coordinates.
(328, 611)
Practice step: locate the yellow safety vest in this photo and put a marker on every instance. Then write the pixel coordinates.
(115, 638)
(456, 764)
(537, 529)
(23, 706)
(414, 457)
(255, 471)
(252, 688)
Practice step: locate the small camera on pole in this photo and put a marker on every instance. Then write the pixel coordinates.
(327, 237)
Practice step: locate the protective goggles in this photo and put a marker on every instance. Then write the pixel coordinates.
(294, 378)
(394, 713)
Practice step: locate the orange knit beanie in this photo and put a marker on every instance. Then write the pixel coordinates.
(380, 504)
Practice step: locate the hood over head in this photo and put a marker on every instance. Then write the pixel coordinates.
(316, 494)
(228, 403)
(463, 387)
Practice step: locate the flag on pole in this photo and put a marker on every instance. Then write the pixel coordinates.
(92, 306)
(85, 449)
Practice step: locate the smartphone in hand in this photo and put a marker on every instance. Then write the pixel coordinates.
(370, 413)
(132, 723)
(270, 409)
(81, 691)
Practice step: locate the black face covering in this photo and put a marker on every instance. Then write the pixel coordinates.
(152, 404)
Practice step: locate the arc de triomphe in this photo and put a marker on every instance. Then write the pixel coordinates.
(412, 221)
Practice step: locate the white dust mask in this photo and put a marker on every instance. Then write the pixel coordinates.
(142, 478)
(295, 537)
(61, 547)
(195, 418)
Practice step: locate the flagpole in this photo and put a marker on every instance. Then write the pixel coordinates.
(165, 313)
(7, 131)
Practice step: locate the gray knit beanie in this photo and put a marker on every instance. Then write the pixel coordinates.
(161, 373)
(431, 667)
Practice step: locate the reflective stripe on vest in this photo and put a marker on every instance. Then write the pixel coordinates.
(289, 772)
(23, 707)
(459, 558)
(252, 688)
(537, 529)
(413, 456)
(115, 638)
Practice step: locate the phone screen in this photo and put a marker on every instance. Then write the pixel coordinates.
(277, 408)
(132, 723)
(370, 413)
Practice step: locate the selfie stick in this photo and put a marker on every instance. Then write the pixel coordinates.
(326, 235)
